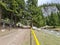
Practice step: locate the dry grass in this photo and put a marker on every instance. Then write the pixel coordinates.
(47, 39)
(57, 28)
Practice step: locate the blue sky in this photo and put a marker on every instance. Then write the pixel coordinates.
(40, 2)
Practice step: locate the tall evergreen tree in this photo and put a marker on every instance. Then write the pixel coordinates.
(36, 13)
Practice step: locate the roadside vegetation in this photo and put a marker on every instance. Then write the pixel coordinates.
(27, 13)
(47, 39)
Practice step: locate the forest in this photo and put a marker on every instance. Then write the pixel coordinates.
(27, 13)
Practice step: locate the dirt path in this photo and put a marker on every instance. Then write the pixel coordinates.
(20, 37)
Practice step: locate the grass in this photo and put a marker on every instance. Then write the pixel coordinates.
(47, 39)
(57, 28)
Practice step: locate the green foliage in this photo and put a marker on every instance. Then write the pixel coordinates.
(38, 19)
(53, 19)
(36, 13)
(12, 8)
(17, 11)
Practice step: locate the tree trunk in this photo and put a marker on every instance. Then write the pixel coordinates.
(10, 25)
(0, 16)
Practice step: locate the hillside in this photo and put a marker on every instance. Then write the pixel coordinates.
(48, 8)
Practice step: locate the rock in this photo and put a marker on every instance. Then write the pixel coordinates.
(3, 30)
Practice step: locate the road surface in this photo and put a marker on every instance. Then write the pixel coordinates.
(19, 37)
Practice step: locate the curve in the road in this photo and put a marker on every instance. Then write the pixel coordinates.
(36, 39)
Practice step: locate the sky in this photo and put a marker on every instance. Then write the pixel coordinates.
(40, 2)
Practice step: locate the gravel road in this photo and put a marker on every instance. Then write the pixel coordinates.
(20, 37)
